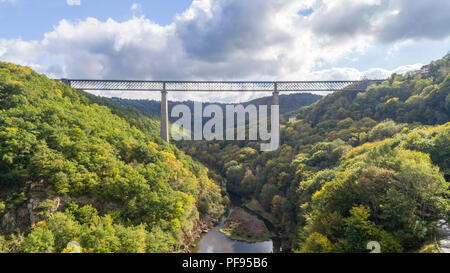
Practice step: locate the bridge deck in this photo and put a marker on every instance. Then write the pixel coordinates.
(220, 86)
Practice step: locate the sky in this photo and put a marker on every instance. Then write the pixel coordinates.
(223, 39)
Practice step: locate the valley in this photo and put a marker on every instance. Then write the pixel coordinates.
(353, 167)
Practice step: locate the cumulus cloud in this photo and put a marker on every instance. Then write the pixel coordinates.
(384, 20)
(20, 52)
(415, 20)
(347, 73)
(233, 40)
(135, 6)
(73, 2)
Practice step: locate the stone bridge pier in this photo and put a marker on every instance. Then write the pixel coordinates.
(164, 115)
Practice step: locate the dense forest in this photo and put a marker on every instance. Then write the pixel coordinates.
(73, 169)
(288, 103)
(355, 167)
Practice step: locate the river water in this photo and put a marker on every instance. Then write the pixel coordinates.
(215, 241)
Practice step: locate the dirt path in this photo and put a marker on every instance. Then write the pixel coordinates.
(444, 236)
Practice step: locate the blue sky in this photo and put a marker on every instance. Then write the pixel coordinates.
(30, 19)
(223, 39)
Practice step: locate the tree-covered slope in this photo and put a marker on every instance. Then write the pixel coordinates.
(407, 98)
(392, 192)
(72, 170)
(288, 103)
(408, 174)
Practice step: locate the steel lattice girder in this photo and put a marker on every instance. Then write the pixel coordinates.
(217, 86)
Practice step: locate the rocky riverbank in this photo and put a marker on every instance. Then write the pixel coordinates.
(202, 226)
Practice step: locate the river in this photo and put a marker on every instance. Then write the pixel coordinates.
(215, 241)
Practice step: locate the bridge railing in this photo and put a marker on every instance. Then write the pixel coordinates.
(220, 86)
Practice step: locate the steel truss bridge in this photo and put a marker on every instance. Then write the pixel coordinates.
(221, 86)
(217, 86)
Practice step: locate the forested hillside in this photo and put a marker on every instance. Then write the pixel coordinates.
(356, 167)
(288, 103)
(404, 98)
(72, 170)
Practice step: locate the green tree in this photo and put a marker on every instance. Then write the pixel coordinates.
(40, 240)
(317, 243)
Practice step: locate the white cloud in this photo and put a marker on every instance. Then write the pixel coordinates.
(73, 2)
(228, 40)
(20, 52)
(348, 73)
(135, 6)
(384, 20)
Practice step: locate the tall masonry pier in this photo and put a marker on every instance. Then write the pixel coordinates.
(164, 115)
(276, 99)
(275, 95)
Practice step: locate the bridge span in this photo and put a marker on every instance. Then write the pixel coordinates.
(216, 86)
